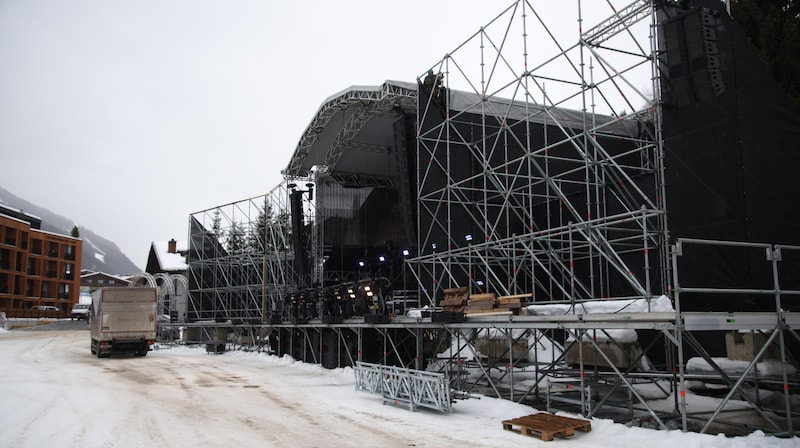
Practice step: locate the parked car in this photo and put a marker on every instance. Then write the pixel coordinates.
(44, 308)
(80, 311)
(44, 311)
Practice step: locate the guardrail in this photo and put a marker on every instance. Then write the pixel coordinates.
(397, 385)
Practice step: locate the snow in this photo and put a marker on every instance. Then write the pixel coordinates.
(171, 261)
(54, 393)
(661, 304)
(766, 367)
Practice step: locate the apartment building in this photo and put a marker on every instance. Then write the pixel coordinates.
(36, 267)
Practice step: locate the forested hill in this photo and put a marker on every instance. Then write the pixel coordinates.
(99, 254)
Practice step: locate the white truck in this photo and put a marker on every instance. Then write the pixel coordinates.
(123, 320)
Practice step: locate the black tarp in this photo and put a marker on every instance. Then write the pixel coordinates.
(732, 155)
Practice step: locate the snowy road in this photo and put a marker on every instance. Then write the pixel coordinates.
(54, 393)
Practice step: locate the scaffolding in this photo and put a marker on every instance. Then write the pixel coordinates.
(241, 257)
(524, 184)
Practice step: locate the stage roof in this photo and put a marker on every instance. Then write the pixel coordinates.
(351, 133)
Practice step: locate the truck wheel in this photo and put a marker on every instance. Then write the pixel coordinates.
(144, 353)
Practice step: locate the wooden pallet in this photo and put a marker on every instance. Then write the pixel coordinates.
(545, 426)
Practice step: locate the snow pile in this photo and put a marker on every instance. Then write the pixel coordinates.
(766, 367)
(662, 304)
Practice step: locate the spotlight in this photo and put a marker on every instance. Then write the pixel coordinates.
(468, 237)
(361, 263)
(479, 282)
(381, 258)
(406, 252)
(433, 246)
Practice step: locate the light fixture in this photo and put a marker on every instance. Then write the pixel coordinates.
(468, 237)
(406, 252)
(479, 282)
(381, 258)
(361, 263)
(433, 246)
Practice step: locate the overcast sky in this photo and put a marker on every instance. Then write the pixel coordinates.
(128, 116)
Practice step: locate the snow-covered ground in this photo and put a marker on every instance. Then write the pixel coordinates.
(53, 392)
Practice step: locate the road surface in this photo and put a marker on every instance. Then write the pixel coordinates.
(53, 392)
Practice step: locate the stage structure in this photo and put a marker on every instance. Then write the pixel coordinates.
(612, 176)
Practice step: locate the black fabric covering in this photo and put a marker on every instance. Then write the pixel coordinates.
(732, 158)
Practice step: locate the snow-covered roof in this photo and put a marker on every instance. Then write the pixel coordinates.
(17, 210)
(93, 273)
(171, 261)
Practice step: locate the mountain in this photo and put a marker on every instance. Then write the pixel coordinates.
(99, 254)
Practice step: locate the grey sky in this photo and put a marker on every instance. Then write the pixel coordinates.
(127, 116)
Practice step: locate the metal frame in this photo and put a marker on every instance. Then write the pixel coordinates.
(243, 274)
(600, 208)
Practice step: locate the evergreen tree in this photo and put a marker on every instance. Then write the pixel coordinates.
(773, 27)
(75, 233)
(215, 225)
(236, 239)
(258, 235)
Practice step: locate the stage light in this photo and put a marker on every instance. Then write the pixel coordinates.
(468, 237)
(433, 246)
(381, 258)
(406, 252)
(361, 263)
(479, 282)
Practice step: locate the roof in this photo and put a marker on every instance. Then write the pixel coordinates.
(171, 261)
(103, 274)
(352, 132)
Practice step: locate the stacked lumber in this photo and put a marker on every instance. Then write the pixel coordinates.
(481, 303)
(455, 299)
(512, 303)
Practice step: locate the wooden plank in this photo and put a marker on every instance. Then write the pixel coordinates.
(489, 296)
(480, 305)
(459, 291)
(516, 296)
